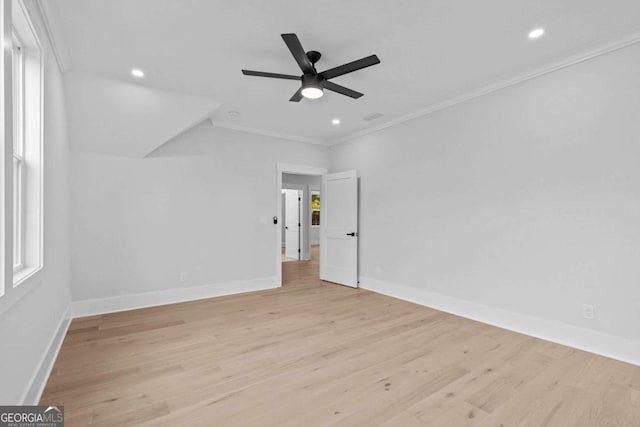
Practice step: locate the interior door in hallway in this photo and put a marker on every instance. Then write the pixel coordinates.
(292, 224)
(339, 231)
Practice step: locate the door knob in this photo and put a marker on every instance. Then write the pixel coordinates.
(352, 234)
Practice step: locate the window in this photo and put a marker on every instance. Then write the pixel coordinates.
(315, 209)
(18, 153)
(26, 138)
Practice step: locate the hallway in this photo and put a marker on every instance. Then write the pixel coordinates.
(302, 273)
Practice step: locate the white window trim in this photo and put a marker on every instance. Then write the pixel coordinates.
(32, 244)
(14, 285)
(18, 155)
(18, 246)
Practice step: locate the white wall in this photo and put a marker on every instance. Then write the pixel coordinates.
(527, 199)
(28, 326)
(314, 182)
(193, 207)
(122, 118)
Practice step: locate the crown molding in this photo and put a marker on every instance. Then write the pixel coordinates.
(264, 132)
(51, 21)
(573, 60)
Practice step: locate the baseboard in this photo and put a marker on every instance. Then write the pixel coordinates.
(41, 375)
(91, 307)
(128, 302)
(619, 348)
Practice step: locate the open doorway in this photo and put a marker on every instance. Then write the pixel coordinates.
(300, 228)
(300, 204)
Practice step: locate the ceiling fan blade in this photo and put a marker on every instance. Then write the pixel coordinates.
(297, 96)
(341, 89)
(350, 67)
(294, 45)
(273, 75)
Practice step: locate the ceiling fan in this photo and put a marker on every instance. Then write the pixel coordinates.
(314, 83)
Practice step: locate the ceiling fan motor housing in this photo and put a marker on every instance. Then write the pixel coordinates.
(314, 56)
(311, 80)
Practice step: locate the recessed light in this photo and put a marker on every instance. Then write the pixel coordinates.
(136, 72)
(536, 33)
(233, 113)
(335, 121)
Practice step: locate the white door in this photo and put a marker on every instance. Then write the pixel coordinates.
(339, 229)
(292, 224)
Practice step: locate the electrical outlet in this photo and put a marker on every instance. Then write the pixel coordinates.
(183, 276)
(588, 311)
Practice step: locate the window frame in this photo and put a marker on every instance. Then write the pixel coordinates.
(316, 193)
(31, 144)
(18, 80)
(20, 25)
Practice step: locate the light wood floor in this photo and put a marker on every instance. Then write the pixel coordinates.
(317, 354)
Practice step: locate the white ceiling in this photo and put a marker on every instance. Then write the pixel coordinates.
(120, 118)
(430, 51)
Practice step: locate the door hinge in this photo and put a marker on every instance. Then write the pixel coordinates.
(299, 225)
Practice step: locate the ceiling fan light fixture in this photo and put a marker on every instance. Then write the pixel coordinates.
(314, 83)
(312, 92)
(311, 87)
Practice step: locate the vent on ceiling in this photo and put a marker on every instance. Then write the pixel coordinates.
(372, 117)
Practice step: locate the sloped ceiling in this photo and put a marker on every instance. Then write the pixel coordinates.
(433, 52)
(115, 117)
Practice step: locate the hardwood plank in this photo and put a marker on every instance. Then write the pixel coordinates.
(314, 353)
